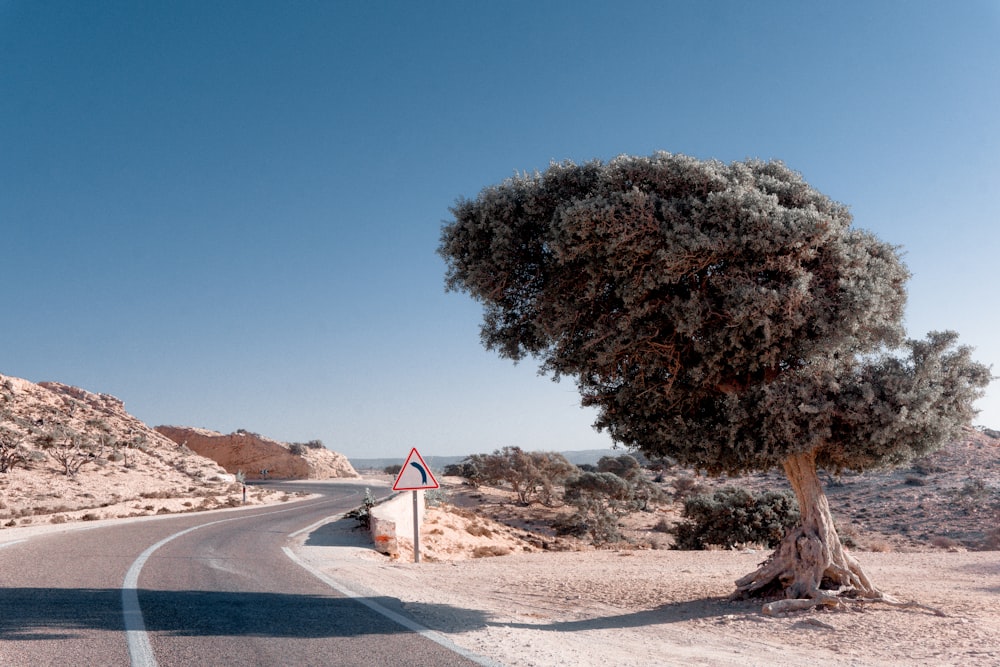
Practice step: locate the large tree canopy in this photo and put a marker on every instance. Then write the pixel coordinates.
(728, 316)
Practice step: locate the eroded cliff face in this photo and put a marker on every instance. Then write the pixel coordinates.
(253, 454)
(65, 451)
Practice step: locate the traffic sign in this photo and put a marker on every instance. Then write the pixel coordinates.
(415, 474)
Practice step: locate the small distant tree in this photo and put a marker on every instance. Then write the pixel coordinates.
(726, 316)
(531, 475)
(67, 447)
(470, 469)
(392, 469)
(12, 453)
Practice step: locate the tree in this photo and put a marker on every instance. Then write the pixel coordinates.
(531, 475)
(726, 316)
(11, 451)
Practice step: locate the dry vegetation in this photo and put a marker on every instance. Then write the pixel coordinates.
(948, 501)
(71, 455)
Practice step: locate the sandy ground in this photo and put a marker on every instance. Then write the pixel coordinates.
(650, 607)
(661, 607)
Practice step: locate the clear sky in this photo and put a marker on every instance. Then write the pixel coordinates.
(227, 213)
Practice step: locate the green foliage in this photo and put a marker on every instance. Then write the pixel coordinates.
(732, 516)
(602, 498)
(726, 316)
(533, 476)
(469, 468)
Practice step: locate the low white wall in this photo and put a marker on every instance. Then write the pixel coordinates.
(394, 518)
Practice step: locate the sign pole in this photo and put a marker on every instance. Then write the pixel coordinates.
(415, 475)
(416, 529)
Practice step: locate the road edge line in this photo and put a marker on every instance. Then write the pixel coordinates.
(407, 623)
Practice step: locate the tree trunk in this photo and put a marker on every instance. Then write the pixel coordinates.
(810, 563)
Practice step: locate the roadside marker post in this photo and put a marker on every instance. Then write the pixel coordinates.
(415, 475)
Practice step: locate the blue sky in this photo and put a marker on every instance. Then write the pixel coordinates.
(226, 213)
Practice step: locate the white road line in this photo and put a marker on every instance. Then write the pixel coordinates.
(140, 651)
(407, 623)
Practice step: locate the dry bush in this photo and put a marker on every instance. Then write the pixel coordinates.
(687, 486)
(942, 542)
(478, 530)
(490, 550)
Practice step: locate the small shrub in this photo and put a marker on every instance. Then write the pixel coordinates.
(913, 480)
(880, 546)
(732, 516)
(478, 530)
(89, 516)
(489, 551)
(662, 526)
(992, 540)
(942, 542)
(363, 514)
(434, 497)
(297, 448)
(687, 486)
(58, 518)
(392, 469)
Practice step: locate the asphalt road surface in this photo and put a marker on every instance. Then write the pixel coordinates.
(194, 589)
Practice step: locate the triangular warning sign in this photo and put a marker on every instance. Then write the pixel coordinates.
(415, 474)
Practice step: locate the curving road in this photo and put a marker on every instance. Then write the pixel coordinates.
(194, 589)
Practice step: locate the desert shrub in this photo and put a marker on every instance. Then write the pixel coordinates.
(490, 550)
(363, 514)
(942, 542)
(625, 466)
(392, 469)
(297, 448)
(991, 541)
(976, 496)
(662, 526)
(687, 486)
(913, 480)
(533, 476)
(600, 500)
(435, 497)
(12, 454)
(478, 530)
(732, 516)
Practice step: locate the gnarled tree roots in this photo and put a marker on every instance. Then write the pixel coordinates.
(810, 566)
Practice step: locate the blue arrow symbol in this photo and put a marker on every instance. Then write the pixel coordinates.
(423, 473)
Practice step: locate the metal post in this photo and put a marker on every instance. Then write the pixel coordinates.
(416, 530)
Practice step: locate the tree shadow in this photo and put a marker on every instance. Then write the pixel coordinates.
(673, 612)
(61, 613)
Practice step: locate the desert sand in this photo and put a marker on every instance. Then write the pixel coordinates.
(662, 607)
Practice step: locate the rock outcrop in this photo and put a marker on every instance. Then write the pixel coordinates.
(252, 454)
(64, 449)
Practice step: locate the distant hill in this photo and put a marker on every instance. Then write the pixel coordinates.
(576, 457)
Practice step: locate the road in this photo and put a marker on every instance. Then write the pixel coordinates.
(207, 589)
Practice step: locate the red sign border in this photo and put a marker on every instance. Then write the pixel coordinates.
(426, 467)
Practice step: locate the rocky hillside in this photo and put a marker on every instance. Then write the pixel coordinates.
(253, 454)
(68, 453)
